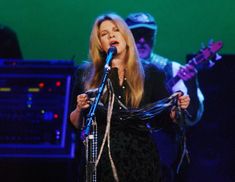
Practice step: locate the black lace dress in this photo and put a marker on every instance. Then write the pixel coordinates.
(133, 151)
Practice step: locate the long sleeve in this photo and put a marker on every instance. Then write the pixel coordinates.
(196, 106)
(155, 90)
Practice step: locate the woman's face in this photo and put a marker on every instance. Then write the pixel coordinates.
(110, 35)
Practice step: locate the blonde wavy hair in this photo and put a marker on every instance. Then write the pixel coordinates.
(134, 70)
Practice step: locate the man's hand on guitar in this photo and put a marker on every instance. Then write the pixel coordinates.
(187, 72)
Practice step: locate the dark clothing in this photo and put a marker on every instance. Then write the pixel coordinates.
(133, 150)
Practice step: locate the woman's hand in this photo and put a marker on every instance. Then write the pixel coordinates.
(83, 102)
(183, 101)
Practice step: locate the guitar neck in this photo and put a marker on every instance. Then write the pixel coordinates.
(193, 62)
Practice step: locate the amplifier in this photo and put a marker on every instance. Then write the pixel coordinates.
(34, 109)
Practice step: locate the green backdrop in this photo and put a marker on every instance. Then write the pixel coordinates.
(59, 29)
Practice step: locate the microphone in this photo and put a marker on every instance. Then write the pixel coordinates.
(112, 51)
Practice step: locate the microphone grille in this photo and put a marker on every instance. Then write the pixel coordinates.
(112, 50)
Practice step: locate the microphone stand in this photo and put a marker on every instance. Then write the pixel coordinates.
(91, 113)
(112, 51)
(88, 137)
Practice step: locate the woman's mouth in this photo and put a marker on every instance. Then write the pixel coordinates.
(113, 43)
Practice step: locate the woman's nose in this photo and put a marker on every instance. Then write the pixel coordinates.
(111, 35)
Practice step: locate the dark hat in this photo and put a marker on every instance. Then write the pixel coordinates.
(140, 20)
